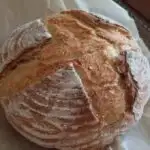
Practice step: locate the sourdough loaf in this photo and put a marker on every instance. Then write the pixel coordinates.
(73, 82)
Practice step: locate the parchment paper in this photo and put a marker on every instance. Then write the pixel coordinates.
(16, 12)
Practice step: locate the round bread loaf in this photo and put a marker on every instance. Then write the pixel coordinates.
(74, 82)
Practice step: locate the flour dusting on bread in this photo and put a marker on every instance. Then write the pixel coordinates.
(140, 70)
(23, 38)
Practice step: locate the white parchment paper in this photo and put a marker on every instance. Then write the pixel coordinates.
(16, 12)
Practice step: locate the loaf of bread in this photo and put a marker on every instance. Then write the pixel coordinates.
(73, 82)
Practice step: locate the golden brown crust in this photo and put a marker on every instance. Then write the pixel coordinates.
(96, 49)
(75, 44)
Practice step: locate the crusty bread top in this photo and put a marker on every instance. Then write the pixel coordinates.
(94, 47)
(103, 55)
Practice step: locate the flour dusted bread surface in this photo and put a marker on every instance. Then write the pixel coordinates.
(79, 90)
(24, 37)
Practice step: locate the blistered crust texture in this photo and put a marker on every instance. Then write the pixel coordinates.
(81, 89)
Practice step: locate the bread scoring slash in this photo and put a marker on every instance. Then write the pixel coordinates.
(79, 86)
